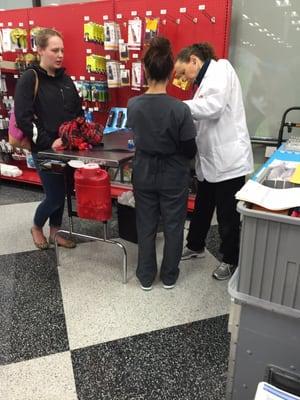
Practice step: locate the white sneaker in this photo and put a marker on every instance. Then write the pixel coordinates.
(169, 286)
(146, 288)
(188, 254)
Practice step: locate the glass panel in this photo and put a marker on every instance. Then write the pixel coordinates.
(14, 4)
(50, 2)
(265, 51)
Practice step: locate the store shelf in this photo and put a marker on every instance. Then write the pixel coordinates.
(8, 67)
(118, 188)
(28, 176)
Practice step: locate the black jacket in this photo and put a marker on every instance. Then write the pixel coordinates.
(56, 101)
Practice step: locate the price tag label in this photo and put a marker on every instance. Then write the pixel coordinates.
(107, 57)
(182, 10)
(105, 17)
(148, 13)
(21, 24)
(86, 18)
(9, 24)
(163, 12)
(16, 76)
(73, 78)
(82, 78)
(88, 51)
(133, 13)
(96, 108)
(1, 24)
(31, 22)
(201, 7)
(135, 55)
(92, 78)
(119, 16)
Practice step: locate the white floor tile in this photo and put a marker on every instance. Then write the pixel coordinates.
(16, 221)
(99, 308)
(45, 378)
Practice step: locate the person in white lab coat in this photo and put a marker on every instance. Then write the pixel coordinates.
(224, 154)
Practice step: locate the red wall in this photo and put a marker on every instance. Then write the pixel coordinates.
(69, 19)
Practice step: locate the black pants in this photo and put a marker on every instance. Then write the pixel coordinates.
(219, 195)
(160, 190)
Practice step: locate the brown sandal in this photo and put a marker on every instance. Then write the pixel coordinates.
(67, 243)
(40, 245)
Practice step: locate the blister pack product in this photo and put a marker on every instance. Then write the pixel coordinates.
(116, 120)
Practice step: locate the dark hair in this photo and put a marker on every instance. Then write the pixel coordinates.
(203, 50)
(158, 59)
(44, 35)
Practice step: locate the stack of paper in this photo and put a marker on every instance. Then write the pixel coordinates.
(265, 391)
(273, 199)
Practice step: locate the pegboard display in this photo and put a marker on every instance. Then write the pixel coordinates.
(182, 22)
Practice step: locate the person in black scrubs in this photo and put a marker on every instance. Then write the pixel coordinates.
(164, 136)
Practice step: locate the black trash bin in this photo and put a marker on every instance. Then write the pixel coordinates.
(127, 223)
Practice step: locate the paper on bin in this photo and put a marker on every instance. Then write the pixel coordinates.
(265, 391)
(273, 199)
(127, 199)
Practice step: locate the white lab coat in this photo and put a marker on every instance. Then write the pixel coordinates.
(224, 148)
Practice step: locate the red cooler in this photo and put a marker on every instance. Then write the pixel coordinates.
(92, 191)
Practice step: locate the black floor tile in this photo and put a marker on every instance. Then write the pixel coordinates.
(186, 362)
(31, 310)
(213, 242)
(12, 193)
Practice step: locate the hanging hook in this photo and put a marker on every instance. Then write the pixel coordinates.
(206, 14)
(190, 18)
(172, 19)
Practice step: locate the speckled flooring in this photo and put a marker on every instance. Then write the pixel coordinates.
(76, 332)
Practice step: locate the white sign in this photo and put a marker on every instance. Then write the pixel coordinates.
(265, 391)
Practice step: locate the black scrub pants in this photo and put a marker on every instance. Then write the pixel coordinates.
(219, 195)
(160, 190)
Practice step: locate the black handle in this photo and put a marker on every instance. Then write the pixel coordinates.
(283, 124)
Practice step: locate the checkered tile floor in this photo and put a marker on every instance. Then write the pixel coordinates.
(76, 332)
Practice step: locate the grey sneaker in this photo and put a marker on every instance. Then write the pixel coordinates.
(187, 254)
(223, 271)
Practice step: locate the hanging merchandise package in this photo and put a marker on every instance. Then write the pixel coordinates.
(125, 77)
(112, 35)
(182, 84)
(6, 40)
(113, 74)
(123, 51)
(134, 34)
(151, 29)
(33, 32)
(19, 38)
(136, 73)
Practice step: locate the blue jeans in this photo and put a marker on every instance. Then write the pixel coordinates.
(52, 206)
